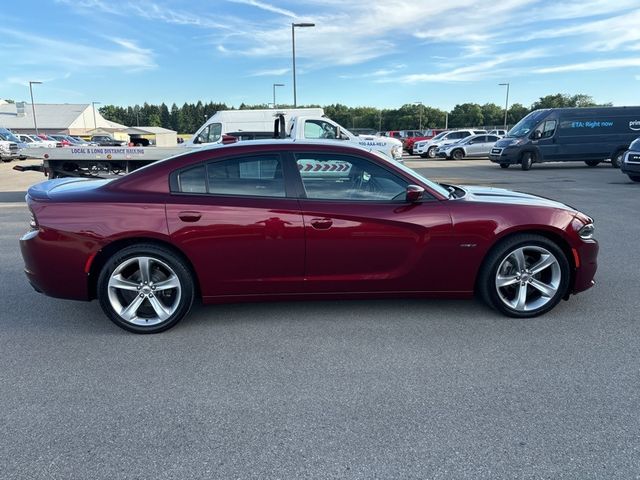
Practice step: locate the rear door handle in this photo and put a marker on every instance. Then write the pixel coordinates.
(321, 223)
(189, 216)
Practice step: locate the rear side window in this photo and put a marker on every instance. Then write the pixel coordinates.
(193, 180)
(253, 176)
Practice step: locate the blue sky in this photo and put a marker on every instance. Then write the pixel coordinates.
(382, 53)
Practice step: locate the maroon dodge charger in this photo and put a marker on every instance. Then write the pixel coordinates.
(287, 220)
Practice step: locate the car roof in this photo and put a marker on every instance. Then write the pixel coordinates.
(282, 141)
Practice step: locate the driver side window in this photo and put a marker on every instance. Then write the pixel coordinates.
(210, 134)
(319, 129)
(345, 177)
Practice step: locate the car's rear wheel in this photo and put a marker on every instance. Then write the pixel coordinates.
(457, 154)
(524, 276)
(431, 153)
(145, 288)
(527, 160)
(616, 159)
(504, 165)
(635, 178)
(592, 163)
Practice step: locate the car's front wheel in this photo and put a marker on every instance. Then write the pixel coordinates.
(145, 288)
(634, 178)
(431, 153)
(457, 154)
(524, 276)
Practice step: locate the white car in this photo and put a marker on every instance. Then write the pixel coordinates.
(427, 148)
(500, 133)
(32, 141)
(471, 146)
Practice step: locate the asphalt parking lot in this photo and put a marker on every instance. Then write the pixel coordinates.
(365, 389)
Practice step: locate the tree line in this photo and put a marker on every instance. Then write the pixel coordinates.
(190, 116)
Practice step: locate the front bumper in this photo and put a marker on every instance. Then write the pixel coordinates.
(508, 155)
(631, 163)
(586, 254)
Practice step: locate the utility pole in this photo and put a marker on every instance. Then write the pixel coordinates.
(274, 93)
(33, 106)
(293, 49)
(506, 104)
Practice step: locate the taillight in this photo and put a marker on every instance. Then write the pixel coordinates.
(33, 222)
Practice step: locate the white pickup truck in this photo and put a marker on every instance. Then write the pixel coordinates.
(297, 124)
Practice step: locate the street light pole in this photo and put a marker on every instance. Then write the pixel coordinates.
(293, 49)
(274, 93)
(506, 104)
(95, 126)
(33, 107)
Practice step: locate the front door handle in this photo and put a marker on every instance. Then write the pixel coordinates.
(321, 223)
(189, 216)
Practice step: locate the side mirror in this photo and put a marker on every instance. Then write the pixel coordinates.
(537, 134)
(414, 193)
(227, 139)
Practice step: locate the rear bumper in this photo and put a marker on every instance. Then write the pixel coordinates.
(53, 266)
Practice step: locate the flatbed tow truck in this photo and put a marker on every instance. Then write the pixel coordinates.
(97, 162)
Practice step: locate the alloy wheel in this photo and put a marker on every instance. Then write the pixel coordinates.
(144, 291)
(528, 278)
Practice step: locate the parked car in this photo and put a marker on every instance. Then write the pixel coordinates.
(107, 141)
(49, 138)
(9, 149)
(631, 161)
(293, 219)
(31, 141)
(471, 146)
(589, 135)
(426, 135)
(427, 148)
(63, 139)
(500, 133)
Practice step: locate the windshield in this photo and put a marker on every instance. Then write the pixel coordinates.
(9, 137)
(527, 124)
(433, 185)
(635, 145)
(439, 136)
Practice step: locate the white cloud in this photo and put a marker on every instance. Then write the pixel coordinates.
(271, 73)
(592, 65)
(44, 51)
(266, 6)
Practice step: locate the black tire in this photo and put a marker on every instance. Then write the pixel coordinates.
(486, 285)
(634, 178)
(431, 153)
(457, 154)
(527, 160)
(5, 160)
(505, 165)
(592, 163)
(162, 257)
(616, 159)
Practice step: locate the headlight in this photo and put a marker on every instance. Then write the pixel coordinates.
(396, 151)
(586, 232)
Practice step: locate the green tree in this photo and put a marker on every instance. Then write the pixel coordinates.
(466, 115)
(492, 115)
(517, 112)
